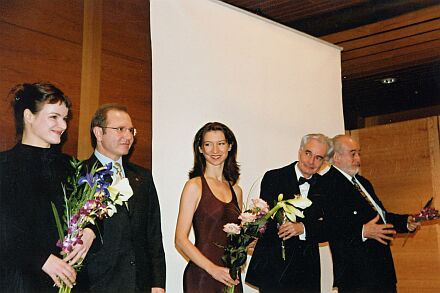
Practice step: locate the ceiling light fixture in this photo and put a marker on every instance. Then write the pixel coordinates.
(388, 80)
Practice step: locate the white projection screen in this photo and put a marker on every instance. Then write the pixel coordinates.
(270, 84)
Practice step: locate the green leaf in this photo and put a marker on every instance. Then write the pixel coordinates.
(58, 222)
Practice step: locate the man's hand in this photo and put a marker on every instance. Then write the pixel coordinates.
(379, 232)
(290, 229)
(412, 224)
(157, 290)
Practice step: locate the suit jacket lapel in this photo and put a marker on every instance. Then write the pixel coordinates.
(134, 184)
(289, 182)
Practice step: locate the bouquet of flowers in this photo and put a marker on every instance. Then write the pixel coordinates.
(286, 210)
(87, 198)
(253, 222)
(427, 213)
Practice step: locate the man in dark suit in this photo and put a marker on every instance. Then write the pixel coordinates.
(300, 271)
(128, 254)
(360, 228)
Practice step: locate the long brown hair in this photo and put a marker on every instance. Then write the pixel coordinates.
(231, 170)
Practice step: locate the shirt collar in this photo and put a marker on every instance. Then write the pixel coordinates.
(349, 177)
(105, 160)
(299, 173)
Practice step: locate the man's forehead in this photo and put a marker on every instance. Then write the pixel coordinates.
(316, 147)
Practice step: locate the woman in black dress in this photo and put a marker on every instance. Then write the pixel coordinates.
(31, 174)
(210, 199)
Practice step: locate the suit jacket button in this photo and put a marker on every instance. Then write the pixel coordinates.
(355, 212)
(132, 262)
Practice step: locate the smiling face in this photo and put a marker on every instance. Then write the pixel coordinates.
(311, 156)
(215, 148)
(111, 142)
(46, 126)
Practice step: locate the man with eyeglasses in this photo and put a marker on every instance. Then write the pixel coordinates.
(127, 254)
(300, 270)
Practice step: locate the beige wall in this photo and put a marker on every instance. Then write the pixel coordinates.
(268, 83)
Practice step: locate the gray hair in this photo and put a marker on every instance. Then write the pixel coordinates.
(337, 145)
(321, 138)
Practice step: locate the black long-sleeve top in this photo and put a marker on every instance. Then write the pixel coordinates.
(30, 179)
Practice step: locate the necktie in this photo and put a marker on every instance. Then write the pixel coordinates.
(119, 176)
(303, 180)
(356, 185)
(118, 171)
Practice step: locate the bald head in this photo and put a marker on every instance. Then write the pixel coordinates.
(347, 154)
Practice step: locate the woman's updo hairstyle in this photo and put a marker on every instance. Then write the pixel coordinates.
(34, 96)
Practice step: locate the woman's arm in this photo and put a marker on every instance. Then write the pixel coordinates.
(189, 201)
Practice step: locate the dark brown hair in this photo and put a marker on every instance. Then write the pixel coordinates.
(231, 170)
(34, 96)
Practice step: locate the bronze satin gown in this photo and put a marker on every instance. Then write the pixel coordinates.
(208, 221)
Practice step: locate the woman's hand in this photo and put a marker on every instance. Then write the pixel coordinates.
(221, 274)
(79, 251)
(60, 271)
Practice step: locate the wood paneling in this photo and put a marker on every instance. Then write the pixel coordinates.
(285, 11)
(124, 81)
(126, 29)
(396, 43)
(42, 40)
(402, 162)
(59, 19)
(91, 73)
(32, 56)
(126, 67)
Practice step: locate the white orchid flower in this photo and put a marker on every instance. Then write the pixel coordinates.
(300, 202)
(111, 210)
(120, 191)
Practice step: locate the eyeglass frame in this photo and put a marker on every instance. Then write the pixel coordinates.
(121, 130)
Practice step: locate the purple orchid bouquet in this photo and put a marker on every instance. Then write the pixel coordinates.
(87, 198)
(427, 214)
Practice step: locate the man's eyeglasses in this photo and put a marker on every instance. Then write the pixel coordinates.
(122, 130)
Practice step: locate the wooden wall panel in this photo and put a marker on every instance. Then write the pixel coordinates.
(61, 19)
(402, 162)
(126, 67)
(124, 81)
(126, 29)
(30, 56)
(43, 40)
(400, 42)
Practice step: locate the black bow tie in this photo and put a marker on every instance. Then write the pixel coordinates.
(303, 180)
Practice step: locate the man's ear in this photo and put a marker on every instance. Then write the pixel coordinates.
(336, 157)
(98, 132)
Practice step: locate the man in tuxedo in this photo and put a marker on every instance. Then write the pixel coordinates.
(300, 271)
(360, 228)
(127, 254)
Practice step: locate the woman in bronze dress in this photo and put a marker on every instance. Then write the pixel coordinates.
(210, 199)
